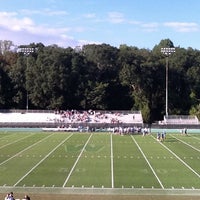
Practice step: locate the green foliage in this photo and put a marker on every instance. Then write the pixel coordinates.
(195, 110)
(96, 96)
(100, 77)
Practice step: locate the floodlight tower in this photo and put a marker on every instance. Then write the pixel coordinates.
(26, 51)
(167, 51)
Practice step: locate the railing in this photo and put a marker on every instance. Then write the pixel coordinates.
(181, 119)
(24, 111)
(52, 111)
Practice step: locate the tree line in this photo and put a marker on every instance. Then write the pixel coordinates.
(100, 77)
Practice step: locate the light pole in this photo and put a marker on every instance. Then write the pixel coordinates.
(167, 52)
(26, 51)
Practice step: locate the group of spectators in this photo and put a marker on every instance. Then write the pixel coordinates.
(10, 196)
(127, 130)
(90, 116)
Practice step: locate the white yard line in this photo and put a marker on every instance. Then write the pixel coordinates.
(179, 159)
(14, 141)
(111, 157)
(42, 160)
(186, 143)
(72, 169)
(195, 137)
(148, 163)
(24, 150)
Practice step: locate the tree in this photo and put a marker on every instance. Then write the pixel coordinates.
(17, 75)
(78, 78)
(104, 60)
(46, 78)
(5, 46)
(5, 84)
(195, 110)
(97, 95)
(101, 77)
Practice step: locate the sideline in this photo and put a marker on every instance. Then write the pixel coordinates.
(175, 130)
(101, 191)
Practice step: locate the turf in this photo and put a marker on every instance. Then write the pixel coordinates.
(98, 160)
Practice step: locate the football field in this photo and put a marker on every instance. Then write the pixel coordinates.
(99, 161)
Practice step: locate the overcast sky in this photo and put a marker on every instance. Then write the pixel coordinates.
(141, 23)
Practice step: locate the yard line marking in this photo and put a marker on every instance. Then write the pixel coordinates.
(14, 141)
(23, 150)
(111, 157)
(42, 160)
(186, 143)
(194, 137)
(72, 169)
(148, 162)
(179, 158)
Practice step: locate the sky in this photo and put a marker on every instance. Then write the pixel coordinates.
(71, 23)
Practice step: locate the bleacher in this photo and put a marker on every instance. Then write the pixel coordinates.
(52, 118)
(180, 120)
(18, 117)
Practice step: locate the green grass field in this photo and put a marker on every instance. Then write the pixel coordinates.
(99, 161)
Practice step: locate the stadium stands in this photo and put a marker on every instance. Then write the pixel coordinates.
(180, 119)
(72, 117)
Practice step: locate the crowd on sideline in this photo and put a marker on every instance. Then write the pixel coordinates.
(10, 196)
(126, 130)
(115, 130)
(91, 116)
(72, 117)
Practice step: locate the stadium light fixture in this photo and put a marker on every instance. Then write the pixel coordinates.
(167, 51)
(26, 51)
